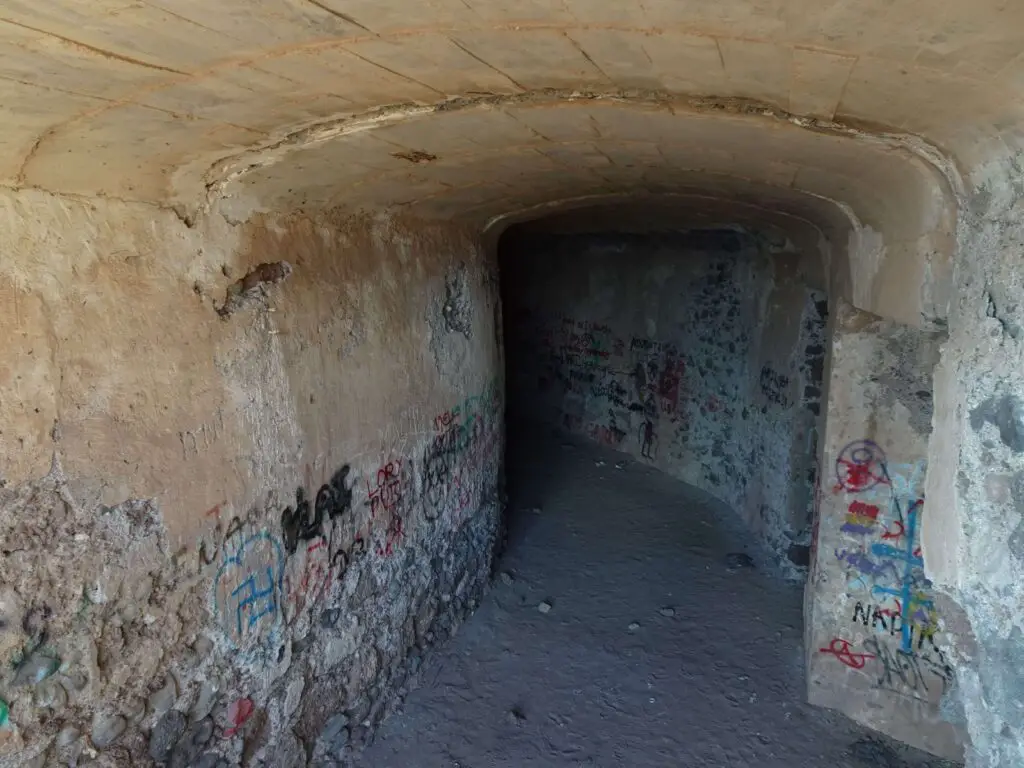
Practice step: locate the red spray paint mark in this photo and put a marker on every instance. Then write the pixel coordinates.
(215, 510)
(894, 533)
(841, 650)
(238, 713)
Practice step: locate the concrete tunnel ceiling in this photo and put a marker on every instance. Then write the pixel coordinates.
(484, 111)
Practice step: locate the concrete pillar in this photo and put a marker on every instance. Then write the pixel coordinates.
(874, 631)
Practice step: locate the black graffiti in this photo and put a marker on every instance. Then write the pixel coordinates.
(904, 671)
(234, 527)
(648, 440)
(301, 523)
(775, 386)
(439, 461)
(877, 616)
(891, 622)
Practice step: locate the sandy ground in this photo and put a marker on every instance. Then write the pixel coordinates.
(655, 651)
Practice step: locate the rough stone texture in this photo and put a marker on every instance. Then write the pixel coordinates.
(243, 535)
(700, 353)
(970, 544)
(876, 638)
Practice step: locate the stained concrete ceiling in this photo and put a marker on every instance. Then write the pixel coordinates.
(491, 110)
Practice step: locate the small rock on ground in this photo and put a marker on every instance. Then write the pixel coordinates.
(735, 560)
(634, 626)
(667, 611)
(544, 607)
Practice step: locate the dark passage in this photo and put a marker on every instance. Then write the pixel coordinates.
(636, 619)
(699, 352)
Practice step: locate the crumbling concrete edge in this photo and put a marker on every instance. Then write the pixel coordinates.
(233, 167)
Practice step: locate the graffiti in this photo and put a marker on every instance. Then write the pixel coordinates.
(463, 451)
(239, 713)
(392, 536)
(916, 605)
(890, 569)
(195, 441)
(313, 579)
(385, 498)
(895, 532)
(248, 584)
(648, 439)
(884, 619)
(861, 518)
(903, 671)
(221, 538)
(841, 649)
(610, 435)
(669, 384)
(386, 494)
(859, 560)
(774, 386)
(300, 523)
(860, 466)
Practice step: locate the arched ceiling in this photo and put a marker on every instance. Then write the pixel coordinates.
(483, 110)
(141, 99)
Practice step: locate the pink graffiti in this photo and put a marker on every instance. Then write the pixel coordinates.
(238, 713)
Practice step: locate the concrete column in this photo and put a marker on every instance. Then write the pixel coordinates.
(874, 633)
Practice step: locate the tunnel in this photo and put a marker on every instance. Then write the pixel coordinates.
(354, 351)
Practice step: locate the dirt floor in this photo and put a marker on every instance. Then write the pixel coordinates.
(624, 631)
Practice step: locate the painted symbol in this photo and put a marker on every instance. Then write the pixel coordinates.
(860, 466)
(861, 518)
(910, 601)
(841, 650)
(255, 569)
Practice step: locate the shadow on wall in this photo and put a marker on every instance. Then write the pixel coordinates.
(700, 353)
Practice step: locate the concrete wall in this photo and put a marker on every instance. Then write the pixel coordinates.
(972, 541)
(876, 632)
(251, 474)
(700, 353)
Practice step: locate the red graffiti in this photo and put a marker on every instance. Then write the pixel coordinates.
(315, 577)
(238, 713)
(891, 612)
(895, 532)
(861, 465)
(669, 385)
(861, 509)
(215, 510)
(392, 538)
(605, 435)
(445, 420)
(841, 650)
(388, 492)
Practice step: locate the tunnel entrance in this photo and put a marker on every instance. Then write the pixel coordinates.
(699, 352)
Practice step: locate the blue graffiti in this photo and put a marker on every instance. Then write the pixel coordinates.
(859, 560)
(910, 604)
(259, 602)
(256, 595)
